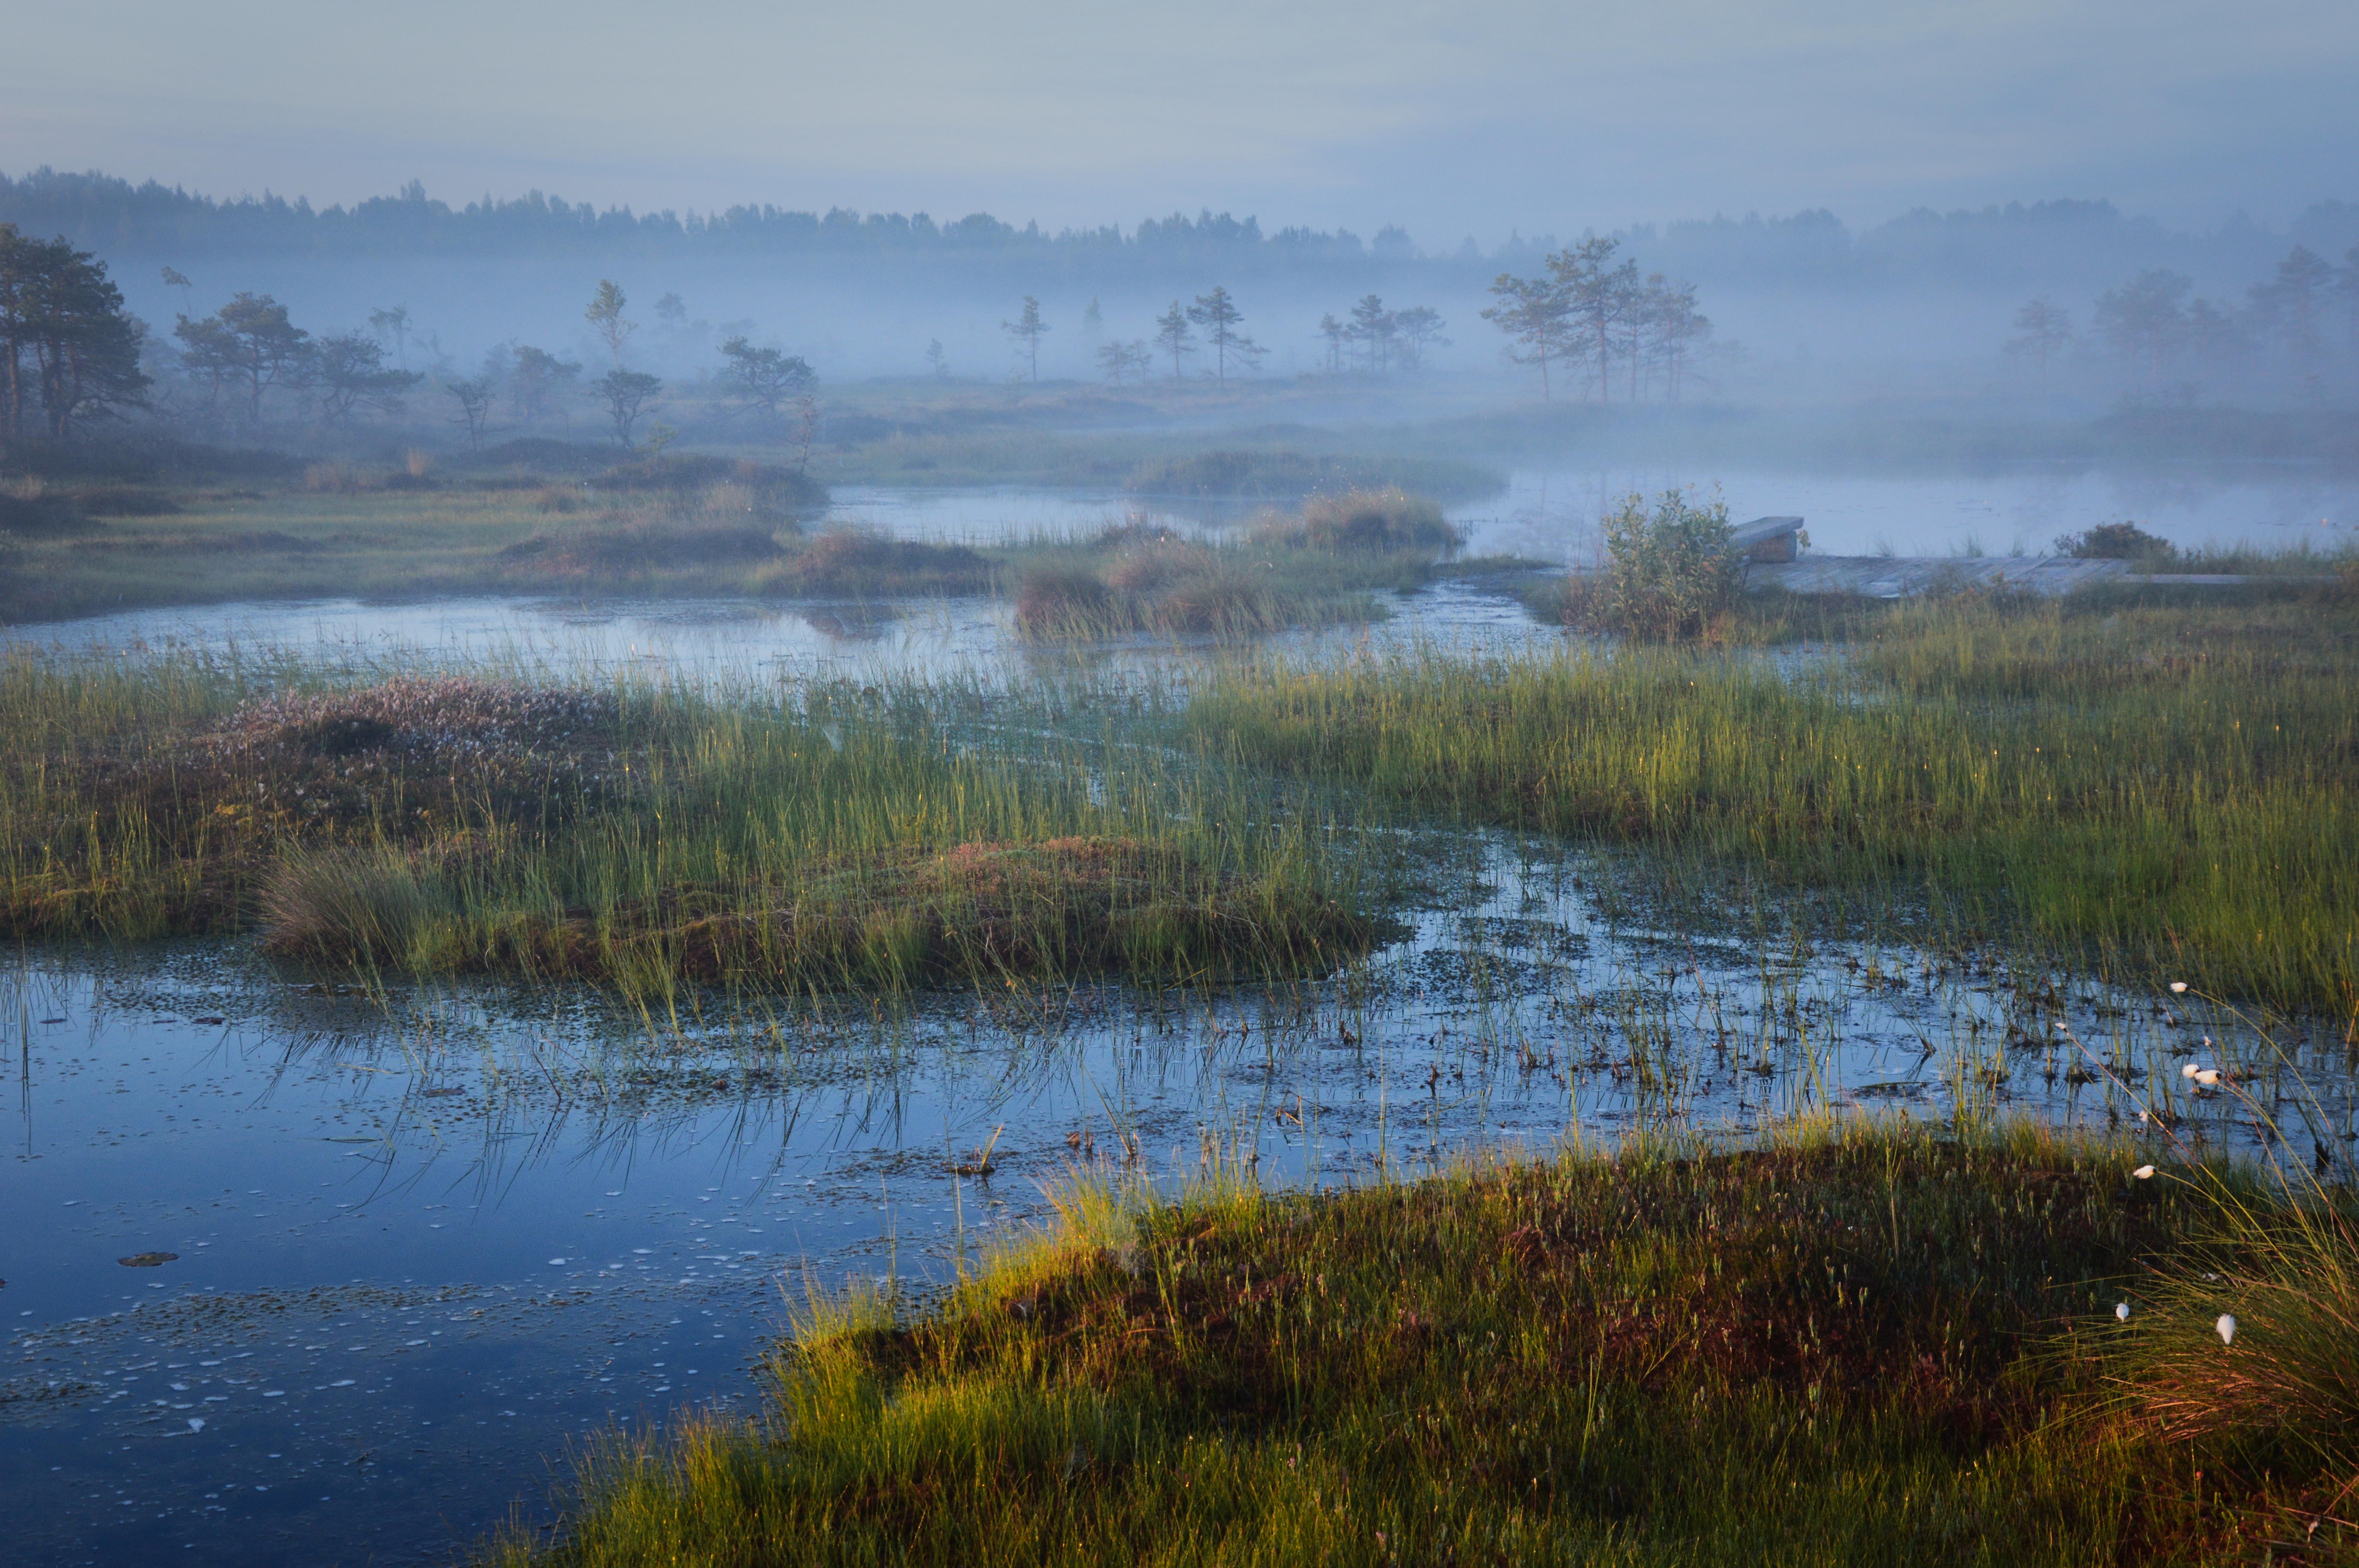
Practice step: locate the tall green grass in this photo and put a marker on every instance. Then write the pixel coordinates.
(1859, 1344)
(829, 836)
(2163, 790)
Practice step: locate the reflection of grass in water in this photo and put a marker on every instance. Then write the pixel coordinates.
(640, 836)
(2163, 788)
(683, 526)
(1854, 1345)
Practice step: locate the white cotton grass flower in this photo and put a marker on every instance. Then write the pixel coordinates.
(2209, 1078)
(2226, 1328)
(2178, 987)
(2122, 1311)
(2189, 1069)
(2144, 1173)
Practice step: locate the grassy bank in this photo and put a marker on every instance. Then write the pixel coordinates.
(404, 529)
(546, 517)
(1860, 1346)
(2145, 787)
(635, 835)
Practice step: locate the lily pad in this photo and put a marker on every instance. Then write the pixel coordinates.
(149, 1260)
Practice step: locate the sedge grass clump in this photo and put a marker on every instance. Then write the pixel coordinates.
(1143, 576)
(1386, 520)
(1850, 1345)
(2146, 790)
(1068, 602)
(884, 920)
(640, 837)
(2245, 1344)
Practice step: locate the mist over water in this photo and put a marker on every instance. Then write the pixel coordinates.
(576, 349)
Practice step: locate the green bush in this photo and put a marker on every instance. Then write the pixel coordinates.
(1671, 574)
(2116, 542)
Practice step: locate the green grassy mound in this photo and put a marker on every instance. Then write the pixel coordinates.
(642, 838)
(1870, 1345)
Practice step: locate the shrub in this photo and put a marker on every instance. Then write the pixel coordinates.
(2116, 542)
(1669, 575)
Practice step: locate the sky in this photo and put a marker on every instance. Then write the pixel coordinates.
(1543, 116)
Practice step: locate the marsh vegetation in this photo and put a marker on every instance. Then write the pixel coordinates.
(1851, 1344)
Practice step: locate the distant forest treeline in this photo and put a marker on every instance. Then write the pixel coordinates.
(1980, 247)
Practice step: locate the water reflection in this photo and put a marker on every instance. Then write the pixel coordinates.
(1551, 514)
(422, 1241)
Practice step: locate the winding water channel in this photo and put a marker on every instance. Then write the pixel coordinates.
(295, 1274)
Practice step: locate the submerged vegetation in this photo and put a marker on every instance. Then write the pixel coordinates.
(1857, 1343)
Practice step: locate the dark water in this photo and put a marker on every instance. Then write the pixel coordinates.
(425, 1242)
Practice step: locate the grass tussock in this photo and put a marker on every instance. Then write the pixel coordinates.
(2161, 790)
(1319, 566)
(854, 564)
(1386, 520)
(2251, 1338)
(1069, 906)
(643, 837)
(1863, 1345)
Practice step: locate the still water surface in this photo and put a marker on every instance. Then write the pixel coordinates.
(422, 1243)
(1551, 514)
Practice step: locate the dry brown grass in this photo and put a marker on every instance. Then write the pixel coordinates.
(214, 806)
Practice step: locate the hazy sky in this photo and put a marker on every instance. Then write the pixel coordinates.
(1451, 119)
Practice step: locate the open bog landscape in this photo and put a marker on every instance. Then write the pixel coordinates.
(1604, 811)
(996, 1063)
